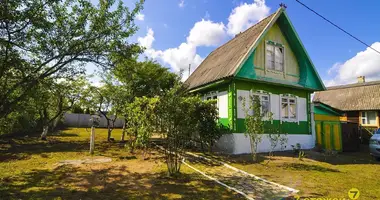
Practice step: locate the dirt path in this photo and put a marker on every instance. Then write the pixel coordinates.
(254, 188)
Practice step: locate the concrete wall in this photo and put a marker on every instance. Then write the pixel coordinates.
(238, 143)
(83, 120)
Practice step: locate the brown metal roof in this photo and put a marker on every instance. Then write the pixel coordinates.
(357, 96)
(224, 61)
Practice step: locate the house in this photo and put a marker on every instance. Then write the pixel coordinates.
(267, 60)
(359, 102)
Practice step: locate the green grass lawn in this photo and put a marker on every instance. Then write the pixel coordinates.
(29, 169)
(317, 175)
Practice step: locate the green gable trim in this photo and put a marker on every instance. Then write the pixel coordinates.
(284, 127)
(247, 70)
(313, 79)
(211, 86)
(309, 78)
(323, 109)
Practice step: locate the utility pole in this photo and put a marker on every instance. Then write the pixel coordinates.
(189, 69)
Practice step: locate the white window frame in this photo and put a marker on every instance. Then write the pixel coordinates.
(366, 118)
(275, 45)
(261, 94)
(212, 95)
(288, 99)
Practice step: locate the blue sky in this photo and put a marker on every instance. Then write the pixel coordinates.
(179, 32)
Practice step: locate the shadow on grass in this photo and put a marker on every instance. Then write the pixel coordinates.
(342, 158)
(308, 167)
(112, 182)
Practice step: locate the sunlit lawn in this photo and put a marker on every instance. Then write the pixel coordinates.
(317, 175)
(29, 169)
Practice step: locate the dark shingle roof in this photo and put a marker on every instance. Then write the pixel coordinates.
(357, 96)
(224, 61)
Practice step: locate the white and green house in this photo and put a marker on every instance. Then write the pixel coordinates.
(268, 60)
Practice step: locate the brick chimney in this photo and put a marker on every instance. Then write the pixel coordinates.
(361, 79)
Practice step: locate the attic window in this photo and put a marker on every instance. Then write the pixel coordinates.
(274, 56)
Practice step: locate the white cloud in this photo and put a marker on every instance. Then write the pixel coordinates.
(204, 33)
(365, 63)
(207, 33)
(181, 3)
(147, 41)
(245, 15)
(140, 16)
(178, 58)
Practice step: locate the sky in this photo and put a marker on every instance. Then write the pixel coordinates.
(177, 33)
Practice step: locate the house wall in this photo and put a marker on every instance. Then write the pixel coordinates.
(222, 101)
(300, 126)
(298, 131)
(352, 116)
(355, 117)
(292, 72)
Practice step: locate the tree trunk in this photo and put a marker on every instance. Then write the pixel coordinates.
(109, 134)
(45, 130)
(123, 133)
(92, 140)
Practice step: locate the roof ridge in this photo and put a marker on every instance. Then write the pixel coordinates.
(352, 85)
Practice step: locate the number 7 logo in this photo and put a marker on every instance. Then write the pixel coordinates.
(353, 193)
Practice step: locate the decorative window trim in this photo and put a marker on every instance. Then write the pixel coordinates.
(262, 93)
(275, 44)
(296, 102)
(211, 95)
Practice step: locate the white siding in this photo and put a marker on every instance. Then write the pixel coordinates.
(302, 109)
(223, 104)
(241, 94)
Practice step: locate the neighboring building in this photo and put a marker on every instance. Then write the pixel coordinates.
(267, 60)
(359, 102)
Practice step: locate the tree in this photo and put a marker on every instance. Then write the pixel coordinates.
(253, 123)
(175, 112)
(207, 127)
(139, 79)
(53, 99)
(48, 39)
(142, 120)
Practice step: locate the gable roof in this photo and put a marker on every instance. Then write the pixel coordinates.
(222, 62)
(352, 97)
(226, 61)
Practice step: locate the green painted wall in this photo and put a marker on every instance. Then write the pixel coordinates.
(232, 105)
(322, 111)
(284, 127)
(224, 122)
(275, 89)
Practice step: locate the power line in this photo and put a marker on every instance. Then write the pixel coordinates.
(338, 27)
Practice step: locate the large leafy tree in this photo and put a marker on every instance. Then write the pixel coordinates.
(147, 78)
(51, 39)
